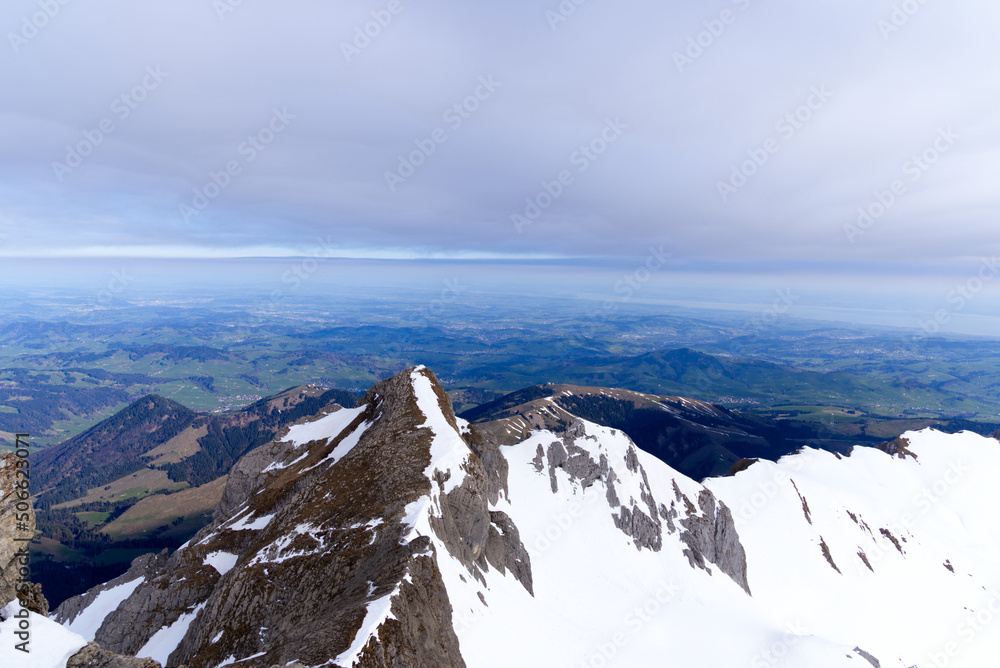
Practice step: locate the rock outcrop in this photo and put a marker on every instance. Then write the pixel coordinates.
(312, 555)
(17, 527)
(707, 529)
(93, 656)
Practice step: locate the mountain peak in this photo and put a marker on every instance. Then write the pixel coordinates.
(324, 536)
(394, 534)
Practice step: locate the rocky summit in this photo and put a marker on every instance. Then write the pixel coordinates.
(393, 534)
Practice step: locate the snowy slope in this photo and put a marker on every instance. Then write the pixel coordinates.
(934, 600)
(598, 599)
(363, 521)
(49, 646)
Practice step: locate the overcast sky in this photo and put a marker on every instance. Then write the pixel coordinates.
(201, 128)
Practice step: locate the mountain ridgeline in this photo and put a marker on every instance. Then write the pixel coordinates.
(119, 445)
(395, 534)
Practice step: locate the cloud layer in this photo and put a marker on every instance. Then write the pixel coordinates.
(738, 131)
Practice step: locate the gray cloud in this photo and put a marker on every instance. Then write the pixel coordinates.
(190, 132)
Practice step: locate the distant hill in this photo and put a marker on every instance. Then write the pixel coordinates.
(697, 438)
(139, 458)
(694, 437)
(117, 446)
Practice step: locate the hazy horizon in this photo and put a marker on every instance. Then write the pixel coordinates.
(846, 136)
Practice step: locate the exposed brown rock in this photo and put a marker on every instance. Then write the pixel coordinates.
(92, 656)
(336, 543)
(17, 527)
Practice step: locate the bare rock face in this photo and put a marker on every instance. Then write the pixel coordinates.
(898, 447)
(92, 656)
(707, 529)
(17, 521)
(311, 538)
(147, 566)
(712, 537)
(867, 657)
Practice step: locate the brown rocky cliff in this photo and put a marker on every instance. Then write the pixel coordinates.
(16, 522)
(327, 541)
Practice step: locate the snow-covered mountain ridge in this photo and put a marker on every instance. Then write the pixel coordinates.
(394, 534)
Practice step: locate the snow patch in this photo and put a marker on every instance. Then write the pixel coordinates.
(166, 640)
(89, 620)
(256, 525)
(344, 447)
(275, 553)
(377, 613)
(277, 466)
(232, 660)
(221, 561)
(323, 429)
(449, 453)
(50, 645)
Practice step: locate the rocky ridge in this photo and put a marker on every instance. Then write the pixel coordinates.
(314, 541)
(393, 533)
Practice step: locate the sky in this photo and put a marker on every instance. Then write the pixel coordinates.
(851, 136)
